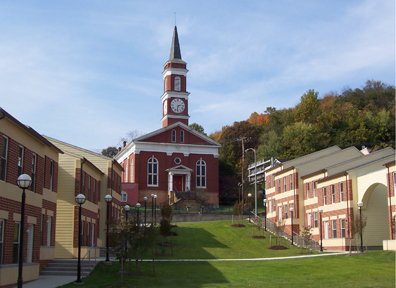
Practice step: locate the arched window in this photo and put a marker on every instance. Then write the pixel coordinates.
(177, 83)
(173, 135)
(152, 172)
(181, 136)
(201, 174)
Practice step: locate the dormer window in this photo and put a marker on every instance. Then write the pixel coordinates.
(177, 83)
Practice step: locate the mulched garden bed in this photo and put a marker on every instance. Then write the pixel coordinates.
(258, 237)
(238, 225)
(278, 247)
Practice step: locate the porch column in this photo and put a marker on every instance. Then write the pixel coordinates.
(188, 182)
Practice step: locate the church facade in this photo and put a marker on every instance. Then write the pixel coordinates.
(174, 158)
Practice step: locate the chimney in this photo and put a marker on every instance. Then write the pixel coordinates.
(123, 144)
(119, 149)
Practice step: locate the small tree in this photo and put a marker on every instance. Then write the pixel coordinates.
(306, 234)
(259, 221)
(237, 210)
(358, 224)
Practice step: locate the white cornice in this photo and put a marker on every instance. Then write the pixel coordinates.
(175, 71)
(174, 94)
(174, 117)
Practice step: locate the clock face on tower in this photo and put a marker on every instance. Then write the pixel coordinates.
(177, 105)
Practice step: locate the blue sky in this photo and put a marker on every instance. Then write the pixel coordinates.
(88, 72)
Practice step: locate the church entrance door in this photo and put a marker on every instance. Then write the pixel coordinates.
(178, 182)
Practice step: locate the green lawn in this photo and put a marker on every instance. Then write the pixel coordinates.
(211, 240)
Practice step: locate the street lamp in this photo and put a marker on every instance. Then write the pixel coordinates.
(24, 181)
(126, 209)
(138, 206)
(249, 196)
(265, 214)
(292, 216)
(255, 180)
(80, 199)
(152, 208)
(155, 198)
(145, 202)
(320, 210)
(108, 198)
(360, 204)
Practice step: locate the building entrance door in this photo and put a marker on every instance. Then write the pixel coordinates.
(326, 230)
(30, 243)
(178, 182)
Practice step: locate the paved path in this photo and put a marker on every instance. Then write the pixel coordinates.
(45, 281)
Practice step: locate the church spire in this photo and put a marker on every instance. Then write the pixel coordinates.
(175, 48)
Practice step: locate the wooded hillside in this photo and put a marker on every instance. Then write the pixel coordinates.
(359, 117)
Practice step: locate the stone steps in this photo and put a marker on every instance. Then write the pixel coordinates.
(67, 267)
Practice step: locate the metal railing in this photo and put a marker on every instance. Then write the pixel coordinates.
(88, 256)
(298, 240)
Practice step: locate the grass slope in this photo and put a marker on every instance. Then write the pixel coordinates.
(211, 240)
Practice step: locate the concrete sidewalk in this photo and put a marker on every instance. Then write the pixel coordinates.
(46, 281)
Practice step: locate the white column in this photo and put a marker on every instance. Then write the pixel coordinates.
(188, 181)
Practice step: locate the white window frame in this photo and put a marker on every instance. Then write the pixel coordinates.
(291, 181)
(51, 175)
(324, 196)
(152, 172)
(177, 83)
(341, 192)
(308, 190)
(309, 220)
(314, 188)
(280, 212)
(201, 173)
(332, 194)
(1, 240)
(173, 137)
(315, 214)
(49, 223)
(181, 136)
(279, 186)
(285, 208)
(342, 227)
(334, 229)
(15, 244)
(21, 153)
(34, 168)
(284, 184)
(4, 157)
(124, 196)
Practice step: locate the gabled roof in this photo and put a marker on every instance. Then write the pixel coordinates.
(173, 126)
(28, 130)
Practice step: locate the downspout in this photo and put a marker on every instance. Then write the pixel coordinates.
(390, 203)
(346, 184)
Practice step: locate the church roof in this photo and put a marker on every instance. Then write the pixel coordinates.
(175, 48)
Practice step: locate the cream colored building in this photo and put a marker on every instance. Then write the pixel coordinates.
(24, 151)
(103, 174)
(334, 180)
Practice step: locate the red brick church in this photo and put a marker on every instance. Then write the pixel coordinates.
(175, 158)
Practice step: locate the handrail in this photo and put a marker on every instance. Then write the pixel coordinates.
(89, 257)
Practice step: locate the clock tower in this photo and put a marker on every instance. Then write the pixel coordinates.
(175, 97)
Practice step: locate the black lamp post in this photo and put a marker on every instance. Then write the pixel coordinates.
(320, 210)
(292, 216)
(360, 205)
(265, 214)
(126, 209)
(108, 198)
(24, 181)
(155, 205)
(138, 206)
(145, 204)
(80, 199)
(152, 209)
(249, 196)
